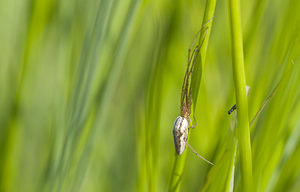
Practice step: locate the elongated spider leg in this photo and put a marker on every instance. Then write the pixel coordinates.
(190, 73)
(193, 126)
(207, 161)
(195, 54)
(199, 33)
(191, 122)
(192, 60)
(183, 90)
(196, 50)
(195, 120)
(186, 92)
(206, 31)
(193, 42)
(185, 85)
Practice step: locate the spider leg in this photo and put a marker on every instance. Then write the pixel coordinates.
(186, 92)
(185, 84)
(207, 161)
(183, 90)
(204, 37)
(196, 50)
(203, 27)
(193, 126)
(195, 120)
(189, 76)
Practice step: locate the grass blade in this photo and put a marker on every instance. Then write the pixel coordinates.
(199, 65)
(243, 132)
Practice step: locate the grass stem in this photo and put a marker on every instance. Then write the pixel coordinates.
(243, 133)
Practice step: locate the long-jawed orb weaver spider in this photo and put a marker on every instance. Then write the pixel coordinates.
(181, 124)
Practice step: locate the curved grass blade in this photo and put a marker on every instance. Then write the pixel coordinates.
(197, 75)
(221, 177)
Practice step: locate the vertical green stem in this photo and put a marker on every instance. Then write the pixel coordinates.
(197, 75)
(177, 173)
(208, 14)
(243, 133)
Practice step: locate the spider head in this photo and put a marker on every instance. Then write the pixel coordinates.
(185, 112)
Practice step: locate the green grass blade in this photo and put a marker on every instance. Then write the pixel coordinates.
(289, 149)
(200, 62)
(243, 132)
(177, 172)
(221, 177)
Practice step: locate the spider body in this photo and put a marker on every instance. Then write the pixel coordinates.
(181, 124)
(180, 134)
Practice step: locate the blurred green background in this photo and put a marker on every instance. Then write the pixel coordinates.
(89, 91)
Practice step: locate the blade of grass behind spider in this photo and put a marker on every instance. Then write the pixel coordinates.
(200, 62)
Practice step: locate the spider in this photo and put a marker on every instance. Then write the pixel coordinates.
(181, 124)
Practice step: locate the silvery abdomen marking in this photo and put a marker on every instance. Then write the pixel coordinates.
(180, 134)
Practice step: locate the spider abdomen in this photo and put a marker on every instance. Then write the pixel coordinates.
(180, 134)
